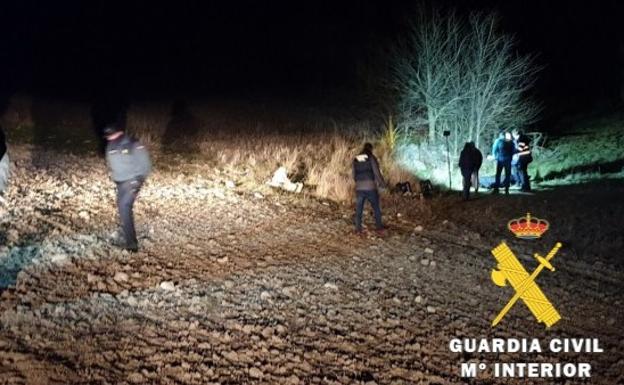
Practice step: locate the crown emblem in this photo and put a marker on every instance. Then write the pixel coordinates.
(528, 227)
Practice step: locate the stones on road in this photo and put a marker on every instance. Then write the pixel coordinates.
(233, 287)
(167, 286)
(120, 277)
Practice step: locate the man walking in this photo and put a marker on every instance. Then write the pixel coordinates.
(129, 164)
(503, 151)
(367, 180)
(523, 152)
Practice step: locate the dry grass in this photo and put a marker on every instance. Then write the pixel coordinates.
(249, 140)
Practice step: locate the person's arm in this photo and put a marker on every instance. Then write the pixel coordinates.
(525, 145)
(141, 158)
(381, 183)
(463, 159)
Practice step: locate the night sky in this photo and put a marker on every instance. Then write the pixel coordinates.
(202, 48)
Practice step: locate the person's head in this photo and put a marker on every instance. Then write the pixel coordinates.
(508, 135)
(468, 146)
(112, 132)
(368, 149)
(515, 133)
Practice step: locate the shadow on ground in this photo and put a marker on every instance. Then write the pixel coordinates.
(15, 261)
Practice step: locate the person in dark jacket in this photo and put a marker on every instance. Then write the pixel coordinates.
(478, 157)
(4, 163)
(524, 157)
(503, 151)
(129, 164)
(470, 160)
(367, 181)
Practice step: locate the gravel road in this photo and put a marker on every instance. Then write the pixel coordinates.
(234, 286)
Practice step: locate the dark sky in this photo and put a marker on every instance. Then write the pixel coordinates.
(82, 48)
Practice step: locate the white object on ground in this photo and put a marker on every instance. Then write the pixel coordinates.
(280, 180)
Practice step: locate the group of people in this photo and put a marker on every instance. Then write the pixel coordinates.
(511, 151)
(129, 164)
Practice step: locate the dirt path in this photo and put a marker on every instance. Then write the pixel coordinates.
(234, 288)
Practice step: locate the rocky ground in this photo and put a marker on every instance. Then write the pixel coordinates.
(235, 286)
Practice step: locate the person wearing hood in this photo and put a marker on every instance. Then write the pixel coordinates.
(470, 160)
(368, 180)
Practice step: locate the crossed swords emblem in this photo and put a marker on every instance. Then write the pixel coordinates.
(509, 269)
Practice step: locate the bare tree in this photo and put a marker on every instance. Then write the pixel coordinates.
(463, 76)
(421, 72)
(495, 81)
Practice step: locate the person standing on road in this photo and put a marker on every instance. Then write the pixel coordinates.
(367, 181)
(478, 158)
(503, 151)
(129, 164)
(4, 164)
(523, 152)
(470, 160)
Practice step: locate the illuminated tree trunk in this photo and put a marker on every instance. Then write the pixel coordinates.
(432, 125)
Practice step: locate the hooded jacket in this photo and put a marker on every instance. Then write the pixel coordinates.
(470, 160)
(366, 173)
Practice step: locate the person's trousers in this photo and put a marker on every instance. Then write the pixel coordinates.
(523, 175)
(506, 165)
(515, 174)
(474, 179)
(126, 194)
(371, 196)
(466, 182)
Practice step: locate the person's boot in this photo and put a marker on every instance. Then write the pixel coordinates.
(495, 191)
(118, 239)
(132, 247)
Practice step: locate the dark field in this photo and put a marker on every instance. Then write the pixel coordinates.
(233, 286)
